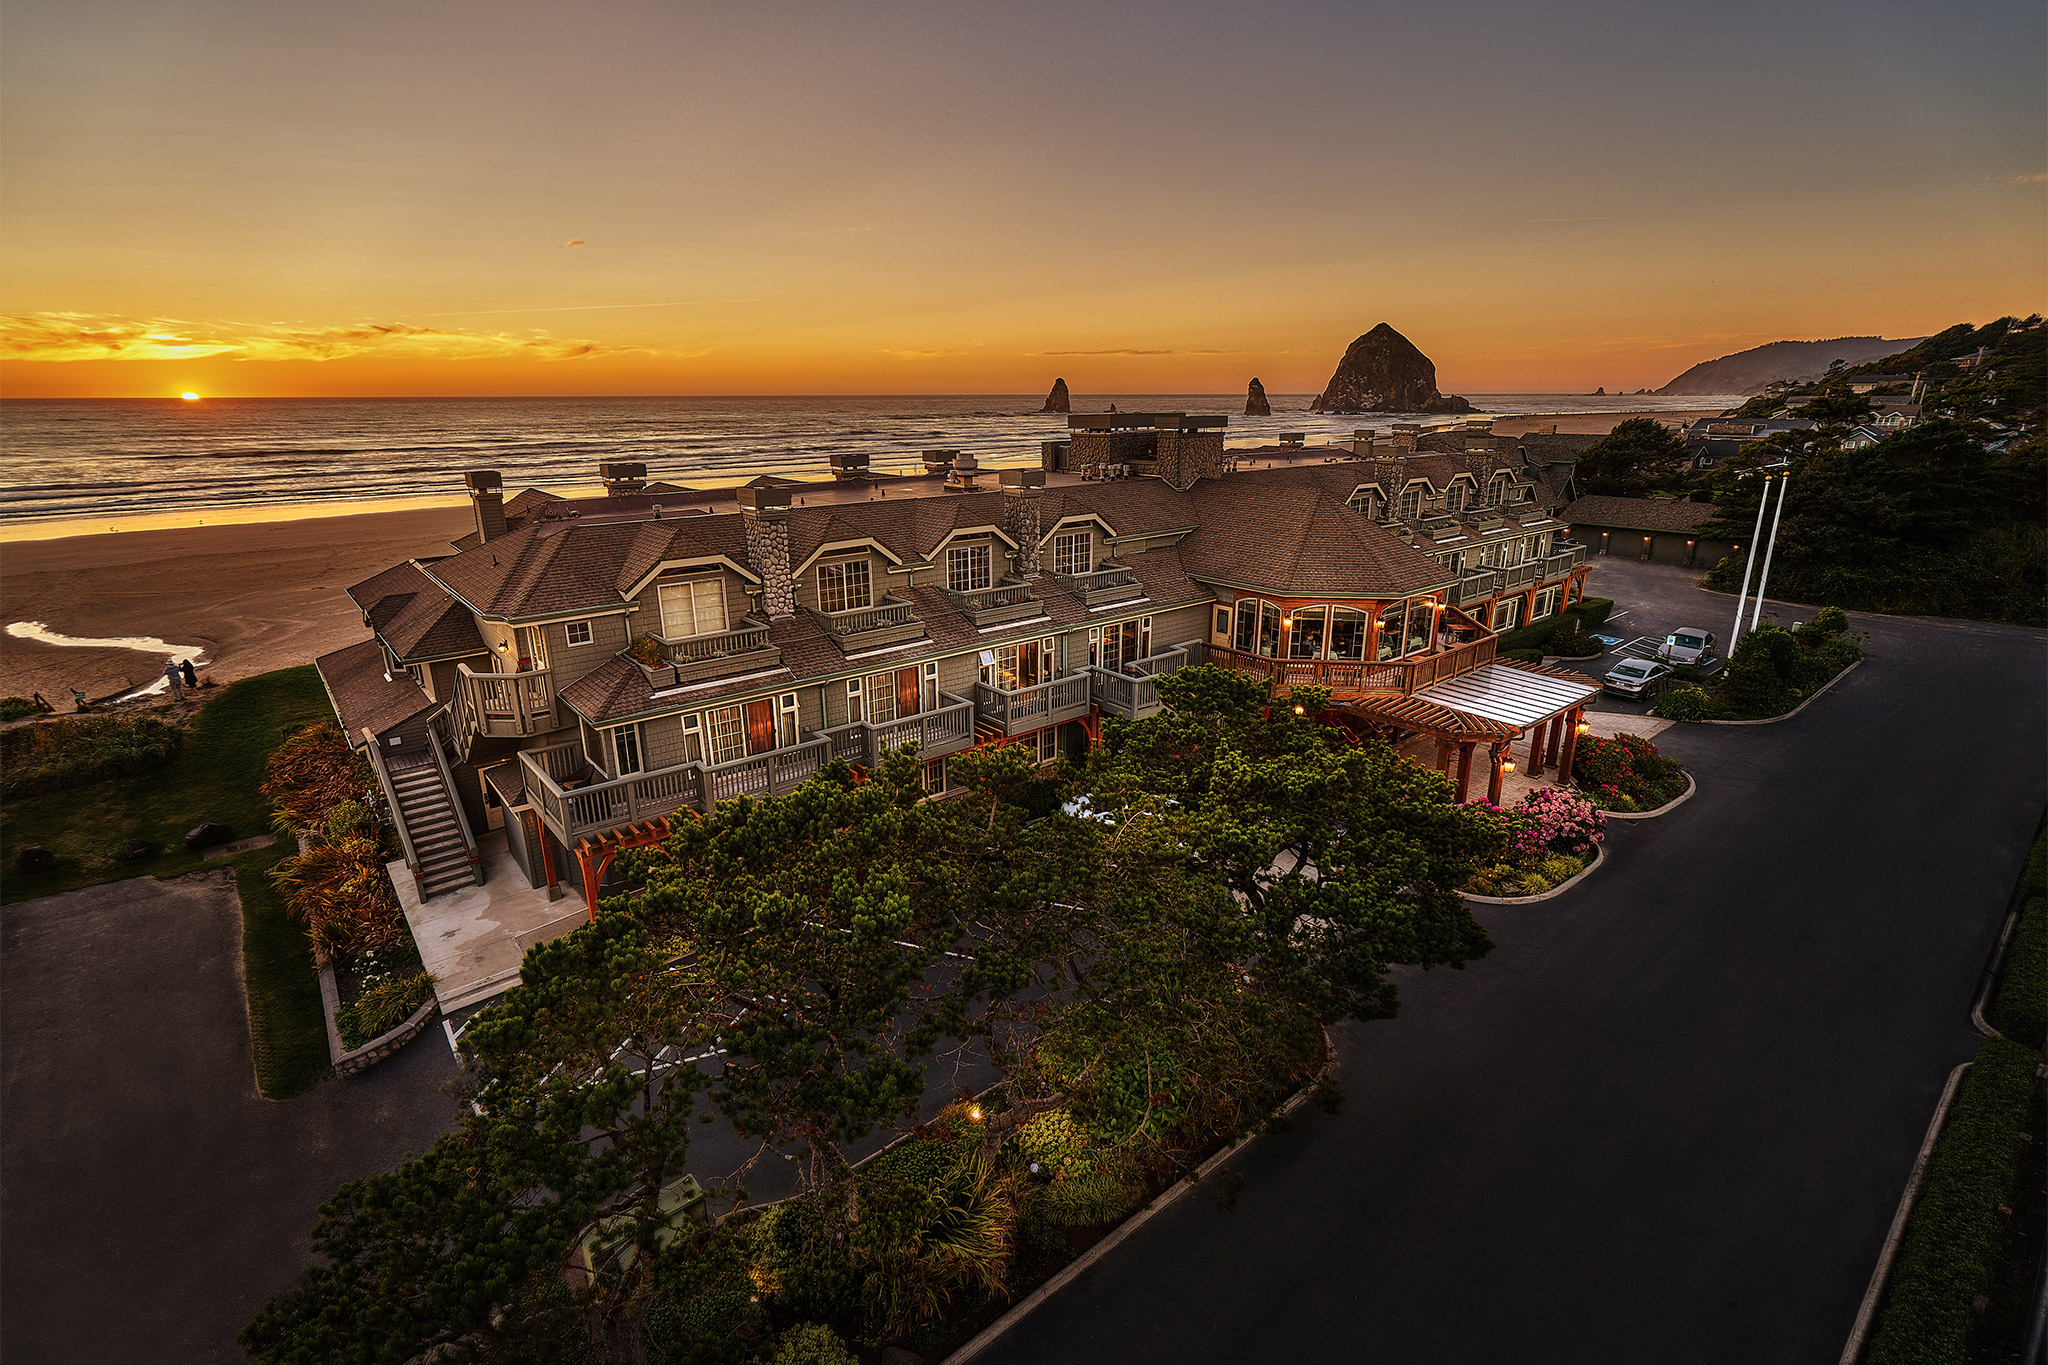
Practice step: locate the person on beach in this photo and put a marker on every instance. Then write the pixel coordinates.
(191, 674)
(175, 678)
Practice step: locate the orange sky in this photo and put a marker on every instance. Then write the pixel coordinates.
(428, 198)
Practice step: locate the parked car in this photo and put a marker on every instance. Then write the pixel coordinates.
(1687, 645)
(1634, 677)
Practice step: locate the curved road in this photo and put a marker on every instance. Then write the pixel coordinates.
(1669, 1118)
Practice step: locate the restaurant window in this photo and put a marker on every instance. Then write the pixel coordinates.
(1246, 641)
(625, 749)
(967, 568)
(845, 586)
(1507, 613)
(1420, 619)
(696, 608)
(576, 633)
(1347, 633)
(1305, 632)
(1073, 554)
(1393, 622)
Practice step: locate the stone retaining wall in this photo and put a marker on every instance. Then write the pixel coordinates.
(378, 1048)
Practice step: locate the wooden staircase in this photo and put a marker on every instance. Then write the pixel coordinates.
(427, 809)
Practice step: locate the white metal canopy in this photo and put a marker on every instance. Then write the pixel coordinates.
(1513, 696)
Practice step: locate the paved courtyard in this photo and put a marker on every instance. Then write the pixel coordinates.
(153, 1200)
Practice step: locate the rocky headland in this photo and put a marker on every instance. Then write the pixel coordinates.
(1255, 404)
(1383, 371)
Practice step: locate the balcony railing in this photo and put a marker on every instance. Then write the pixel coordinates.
(1394, 676)
(992, 606)
(946, 730)
(1109, 583)
(695, 657)
(1518, 575)
(1133, 692)
(506, 703)
(577, 800)
(1562, 562)
(1476, 585)
(889, 620)
(1020, 711)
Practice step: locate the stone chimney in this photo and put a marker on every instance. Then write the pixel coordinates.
(765, 514)
(1021, 488)
(622, 478)
(487, 491)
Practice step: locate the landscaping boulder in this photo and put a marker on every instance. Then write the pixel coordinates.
(35, 858)
(137, 850)
(207, 835)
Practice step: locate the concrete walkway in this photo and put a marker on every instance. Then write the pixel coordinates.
(473, 939)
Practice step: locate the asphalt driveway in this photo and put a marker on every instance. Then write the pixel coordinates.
(1669, 1118)
(152, 1200)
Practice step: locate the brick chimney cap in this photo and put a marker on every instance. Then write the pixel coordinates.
(1023, 478)
(482, 480)
(764, 499)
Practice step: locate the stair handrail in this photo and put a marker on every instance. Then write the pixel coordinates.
(469, 845)
(412, 857)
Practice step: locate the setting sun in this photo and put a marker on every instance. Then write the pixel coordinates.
(189, 397)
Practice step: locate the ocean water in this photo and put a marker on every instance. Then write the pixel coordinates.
(109, 457)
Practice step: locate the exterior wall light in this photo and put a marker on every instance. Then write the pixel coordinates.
(1507, 765)
(1301, 710)
(1583, 726)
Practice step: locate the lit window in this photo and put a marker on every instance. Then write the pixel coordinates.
(690, 609)
(845, 586)
(967, 568)
(577, 632)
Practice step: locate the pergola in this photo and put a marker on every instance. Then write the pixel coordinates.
(1495, 705)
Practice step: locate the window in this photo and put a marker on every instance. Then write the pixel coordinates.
(1305, 632)
(844, 586)
(934, 776)
(1048, 744)
(1073, 554)
(967, 568)
(1421, 617)
(688, 609)
(1113, 647)
(1020, 665)
(1393, 621)
(1546, 604)
(1495, 488)
(893, 695)
(1365, 502)
(728, 734)
(418, 674)
(1454, 498)
(625, 750)
(1507, 613)
(1247, 638)
(693, 739)
(1411, 503)
(931, 685)
(1347, 633)
(1223, 622)
(853, 706)
(576, 632)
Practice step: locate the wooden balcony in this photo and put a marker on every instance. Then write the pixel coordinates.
(886, 623)
(577, 800)
(505, 703)
(1109, 583)
(1025, 709)
(742, 649)
(1133, 692)
(1476, 585)
(993, 606)
(947, 730)
(1397, 677)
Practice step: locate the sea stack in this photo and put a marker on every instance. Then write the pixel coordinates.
(1057, 400)
(1255, 404)
(1383, 372)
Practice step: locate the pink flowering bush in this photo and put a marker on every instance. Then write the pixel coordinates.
(1553, 820)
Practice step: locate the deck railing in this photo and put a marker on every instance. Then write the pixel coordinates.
(768, 774)
(884, 615)
(1133, 692)
(746, 639)
(1476, 585)
(576, 799)
(1397, 676)
(1109, 583)
(947, 729)
(506, 703)
(1001, 595)
(1024, 709)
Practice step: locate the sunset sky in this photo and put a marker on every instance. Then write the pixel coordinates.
(246, 197)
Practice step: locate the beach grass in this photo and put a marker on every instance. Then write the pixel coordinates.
(215, 777)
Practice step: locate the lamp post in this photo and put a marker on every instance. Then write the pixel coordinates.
(1748, 563)
(1784, 486)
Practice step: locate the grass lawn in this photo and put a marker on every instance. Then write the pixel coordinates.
(214, 777)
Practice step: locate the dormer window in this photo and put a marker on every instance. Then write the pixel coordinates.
(967, 568)
(1366, 503)
(1411, 503)
(1454, 498)
(696, 608)
(1496, 490)
(1073, 554)
(845, 586)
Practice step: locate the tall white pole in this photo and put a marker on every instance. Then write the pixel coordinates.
(1749, 563)
(1784, 486)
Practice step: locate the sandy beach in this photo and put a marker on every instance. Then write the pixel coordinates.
(255, 595)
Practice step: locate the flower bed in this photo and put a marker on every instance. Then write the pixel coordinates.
(1552, 834)
(386, 989)
(1626, 773)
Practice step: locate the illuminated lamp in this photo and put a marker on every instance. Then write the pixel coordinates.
(974, 1114)
(1507, 765)
(1301, 710)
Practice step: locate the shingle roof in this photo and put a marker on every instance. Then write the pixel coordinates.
(362, 698)
(1639, 514)
(415, 615)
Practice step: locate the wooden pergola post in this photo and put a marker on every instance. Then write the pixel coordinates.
(1443, 755)
(1536, 744)
(1496, 752)
(1571, 740)
(1465, 771)
(1558, 725)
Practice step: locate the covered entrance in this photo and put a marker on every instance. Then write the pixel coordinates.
(1495, 705)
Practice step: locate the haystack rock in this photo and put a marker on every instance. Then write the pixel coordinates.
(1383, 372)
(1255, 404)
(1057, 400)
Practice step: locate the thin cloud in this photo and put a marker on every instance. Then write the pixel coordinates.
(1125, 350)
(573, 241)
(2023, 178)
(582, 308)
(1602, 219)
(63, 337)
(918, 355)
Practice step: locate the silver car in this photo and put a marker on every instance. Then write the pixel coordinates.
(1634, 677)
(1687, 645)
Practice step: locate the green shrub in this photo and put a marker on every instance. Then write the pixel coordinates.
(2020, 1010)
(1594, 611)
(1837, 653)
(1752, 685)
(1574, 644)
(918, 1246)
(1952, 1242)
(804, 1264)
(1830, 622)
(1534, 883)
(383, 1005)
(80, 749)
(14, 708)
(348, 818)
(1685, 703)
(1099, 1194)
(705, 1309)
(1527, 656)
(1560, 868)
(811, 1344)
